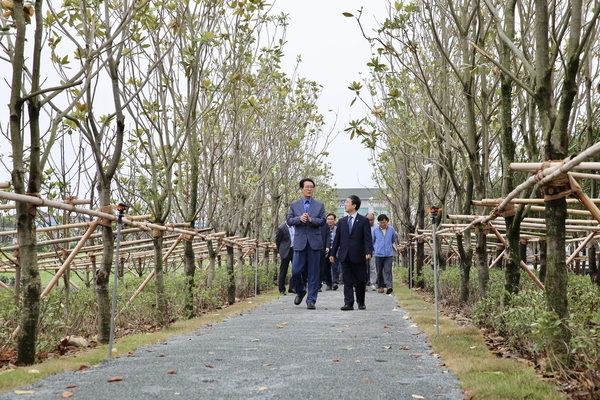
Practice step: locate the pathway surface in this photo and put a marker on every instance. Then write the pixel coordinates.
(276, 351)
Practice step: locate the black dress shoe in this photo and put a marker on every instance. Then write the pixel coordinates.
(299, 298)
(335, 286)
(362, 307)
(310, 305)
(282, 293)
(347, 307)
(291, 291)
(389, 290)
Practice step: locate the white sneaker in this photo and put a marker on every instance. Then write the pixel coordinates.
(373, 288)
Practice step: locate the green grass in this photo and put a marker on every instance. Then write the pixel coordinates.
(12, 379)
(483, 375)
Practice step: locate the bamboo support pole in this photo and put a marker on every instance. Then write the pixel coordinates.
(581, 247)
(493, 264)
(585, 200)
(536, 166)
(528, 219)
(4, 286)
(56, 204)
(59, 273)
(521, 263)
(496, 202)
(451, 247)
(11, 206)
(584, 176)
(70, 258)
(543, 177)
(151, 274)
(4, 185)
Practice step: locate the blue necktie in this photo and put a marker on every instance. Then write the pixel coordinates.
(306, 204)
(350, 223)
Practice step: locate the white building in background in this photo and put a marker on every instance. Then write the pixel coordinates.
(371, 201)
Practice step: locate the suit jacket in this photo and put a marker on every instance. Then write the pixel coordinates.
(353, 246)
(325, 237)
(283, 241)
(307, 232)
(327, 242)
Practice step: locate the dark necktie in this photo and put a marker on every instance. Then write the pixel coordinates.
(306, 204)
(350, 223)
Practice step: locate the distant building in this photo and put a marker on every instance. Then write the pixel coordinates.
(370, 198)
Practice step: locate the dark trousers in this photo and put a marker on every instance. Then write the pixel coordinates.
(283, 270)
(326, 271)
(354, 275)
(307, 264)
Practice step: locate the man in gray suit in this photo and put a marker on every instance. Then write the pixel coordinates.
(307, 215)
(285, 247)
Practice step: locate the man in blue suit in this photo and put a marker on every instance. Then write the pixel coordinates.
(353, 245)
(307, 215)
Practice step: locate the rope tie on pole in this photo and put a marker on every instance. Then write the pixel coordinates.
(189, 237)
(156, 232)
(556, 188)
(107, 210)
(32, 208)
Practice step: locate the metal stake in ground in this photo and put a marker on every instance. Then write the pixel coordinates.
(410, 266)
(434, 211)
(121, 209)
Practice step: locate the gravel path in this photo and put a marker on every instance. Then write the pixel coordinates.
(276, 351)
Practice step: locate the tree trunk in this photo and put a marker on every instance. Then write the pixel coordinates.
(231, 275)
(557, 279)
(465, 270)
(25, 214)
(512, 273)
(190, 271)
(483, 272)
(101, 285)
(159, 281)
(543, 268)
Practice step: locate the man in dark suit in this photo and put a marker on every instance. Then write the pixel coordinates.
(285, 247)
(353, 245)
(307, 216)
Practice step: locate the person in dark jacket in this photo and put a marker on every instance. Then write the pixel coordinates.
(354, 245)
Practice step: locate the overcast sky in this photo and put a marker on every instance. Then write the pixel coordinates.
(333, 53)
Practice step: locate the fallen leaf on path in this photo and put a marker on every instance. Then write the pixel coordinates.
(160, 355)
(208, 366)
(335, 360)
(386, 347)
(357, 361)
(24, 391)
(262, 388)
(115, 379)
(417, 355)
(416, 396)
(171, 372)
(406, 317)
(255, 340)
(404, 348)
(72, 386)
(83, 367)
(367, 381)
(66, 395)
(267, 365)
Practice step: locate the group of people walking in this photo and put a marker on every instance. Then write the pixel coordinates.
(320, 251)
